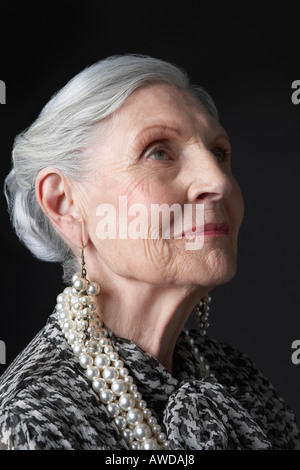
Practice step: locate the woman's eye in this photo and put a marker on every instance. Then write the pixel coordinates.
(159, 154)
(221, 154)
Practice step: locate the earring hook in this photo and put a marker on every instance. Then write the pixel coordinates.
(83, 245)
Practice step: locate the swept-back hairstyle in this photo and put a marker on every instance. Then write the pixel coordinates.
(62, 131)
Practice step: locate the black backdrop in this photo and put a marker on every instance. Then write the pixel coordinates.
(248, 60)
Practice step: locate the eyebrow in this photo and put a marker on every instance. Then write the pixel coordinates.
(173, 129)
(222, 135)
(157, 127)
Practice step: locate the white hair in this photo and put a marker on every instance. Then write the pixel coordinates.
(62, 131)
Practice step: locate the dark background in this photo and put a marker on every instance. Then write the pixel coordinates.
(247, 58)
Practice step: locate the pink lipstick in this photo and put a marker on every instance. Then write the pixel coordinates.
(208, 230)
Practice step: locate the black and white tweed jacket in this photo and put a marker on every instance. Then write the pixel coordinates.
(47, 403)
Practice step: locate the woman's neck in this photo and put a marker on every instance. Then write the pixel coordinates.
(150, 316)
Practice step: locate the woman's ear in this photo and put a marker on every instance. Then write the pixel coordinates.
(54, 193)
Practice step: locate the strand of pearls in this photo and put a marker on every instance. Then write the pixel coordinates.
(89, 340)
(201, 312)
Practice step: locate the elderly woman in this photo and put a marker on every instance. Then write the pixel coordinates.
(114, 367)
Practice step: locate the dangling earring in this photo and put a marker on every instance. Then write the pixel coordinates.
(201, 313)
(90, 342)
(77, 311)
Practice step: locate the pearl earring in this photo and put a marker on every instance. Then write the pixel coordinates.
(110, 379)
(201, 313)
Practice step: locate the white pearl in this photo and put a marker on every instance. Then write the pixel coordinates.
(94, 349)
(63, 316)
(101, 361)
(135, 445)
(152, 421)
(96, 335)
(77, 349)
(120, 422)
(142, 404)
(103, 342)
(97, 323)
(98, 384)
(149, 444)
(127, 434)
(83, 324)
(166, 445)
(72, 337)
(75, 277)
(114, 356)
(108, 349)
(113, 409)
(156, 429)
(119, 387)
(126, 401)
(109, 374)
(93, 289)
(60, 306)
(86, 312)
(61, 298)
(134, 416)
(84, 299)
(80, 284)
(92, 372)
(128, 379)
(142, 431)
(147, 412)
(161, 437)
(68, 325)
(74, 300)
(85, 360)
(81, 336)
(123, 372)
(106, 395)
(118, 364)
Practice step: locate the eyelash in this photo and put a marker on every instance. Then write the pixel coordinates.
(223, 152)
(156, 149)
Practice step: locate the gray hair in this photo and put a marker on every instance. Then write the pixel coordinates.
(62, 131)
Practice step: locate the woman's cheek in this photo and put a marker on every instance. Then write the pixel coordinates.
(236, 206)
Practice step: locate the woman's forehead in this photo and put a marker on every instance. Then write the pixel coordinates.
(161, 106)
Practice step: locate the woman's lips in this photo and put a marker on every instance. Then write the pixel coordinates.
(212, 230)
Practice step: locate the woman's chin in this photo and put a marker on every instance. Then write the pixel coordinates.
(214, 269)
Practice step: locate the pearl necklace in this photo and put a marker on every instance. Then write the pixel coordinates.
(89, 339)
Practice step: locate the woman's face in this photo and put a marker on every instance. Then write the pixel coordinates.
(162, 147)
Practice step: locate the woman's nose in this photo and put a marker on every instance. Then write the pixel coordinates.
(210, 180)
